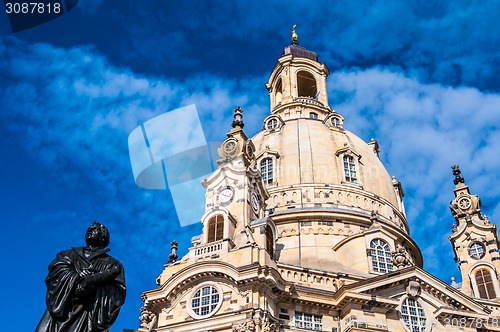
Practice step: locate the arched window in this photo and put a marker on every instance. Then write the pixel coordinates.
(381, 256)
(269, 240)
(413, 315)
(350, 169)
(279, 93)
(313, 115)
(215, 228)
(484, 282)
(266, 169)
(306, 84)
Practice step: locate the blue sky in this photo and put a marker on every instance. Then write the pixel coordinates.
(421, 77)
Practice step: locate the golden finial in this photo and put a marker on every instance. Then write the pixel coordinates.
(295, 37)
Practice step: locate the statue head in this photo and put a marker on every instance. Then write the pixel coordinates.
(97, 235)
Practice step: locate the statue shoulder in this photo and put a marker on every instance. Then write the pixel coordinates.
(67, 252)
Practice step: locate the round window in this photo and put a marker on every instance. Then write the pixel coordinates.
(413, 315)
(205, 301)
(272, 124)
(336, 122)
(476, 250)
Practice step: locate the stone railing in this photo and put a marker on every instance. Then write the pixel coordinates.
(329, 282)
(208, 249)
(308, 100)
(335, 197)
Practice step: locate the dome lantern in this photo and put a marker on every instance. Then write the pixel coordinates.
(297, 82)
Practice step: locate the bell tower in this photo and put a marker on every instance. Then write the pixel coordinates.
(235, 193)
(475, 243)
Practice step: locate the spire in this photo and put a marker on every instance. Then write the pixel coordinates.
(465, 204)
(295, 37)
(238, 118)
(458, 178)
(173, 251)
(238, 125)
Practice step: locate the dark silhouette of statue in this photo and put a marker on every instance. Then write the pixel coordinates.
(85, 287)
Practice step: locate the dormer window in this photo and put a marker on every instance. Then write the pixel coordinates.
(349, 166)
(313, 115)
(381, 256)
(350, 169)
(266, 169)
(272, 124)
(306, 85)
(336, 122)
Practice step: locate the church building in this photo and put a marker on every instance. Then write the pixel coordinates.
(304, 229)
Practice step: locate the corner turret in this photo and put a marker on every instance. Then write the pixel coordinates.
(475, 243)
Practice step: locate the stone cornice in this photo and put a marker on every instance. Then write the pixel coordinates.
(254, 275)
(455, 299)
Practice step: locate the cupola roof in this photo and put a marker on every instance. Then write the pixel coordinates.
(296, 50)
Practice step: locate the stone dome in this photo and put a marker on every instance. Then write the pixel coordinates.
(331, 200)
(308, 152)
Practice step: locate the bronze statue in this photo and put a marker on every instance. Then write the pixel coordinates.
(85, 287)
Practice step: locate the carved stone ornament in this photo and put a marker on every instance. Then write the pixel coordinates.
(229, 149)
(238, 118)
(173, 251)
(401, 258)
(269, 327)
(247, 325)
(465, 204)
(147, 318)
(413, 289)
(458, 175)
(249, 149)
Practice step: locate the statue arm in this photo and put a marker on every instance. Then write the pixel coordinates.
(103, 276)
(61, 283)
(110, 293)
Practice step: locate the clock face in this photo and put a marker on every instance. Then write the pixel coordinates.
(226, 195)
(254, 200)
(250, 150)
(230, 146)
